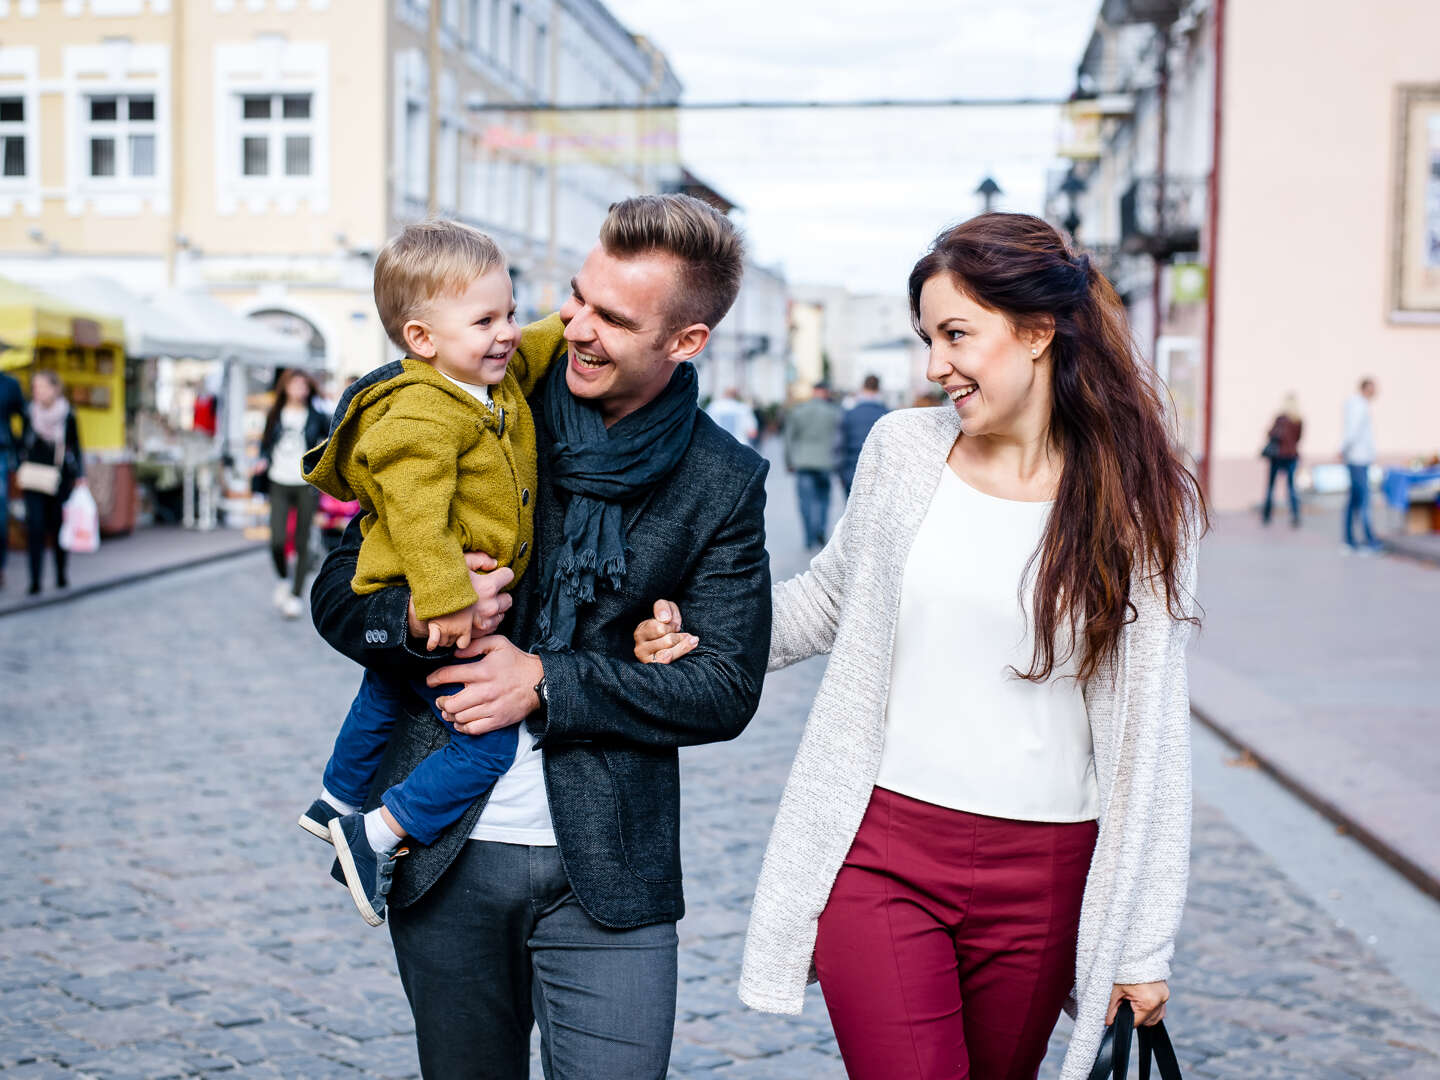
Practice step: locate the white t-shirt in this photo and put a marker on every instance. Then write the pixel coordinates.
(961, 730)
(479, 391)
(288, 454)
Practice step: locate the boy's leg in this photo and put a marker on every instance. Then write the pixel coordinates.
(443, 786)
(363, 737)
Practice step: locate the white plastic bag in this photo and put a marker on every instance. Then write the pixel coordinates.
(80, 522)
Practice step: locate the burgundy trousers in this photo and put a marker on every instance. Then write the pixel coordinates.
(947, 947)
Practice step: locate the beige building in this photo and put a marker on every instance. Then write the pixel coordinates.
(1310, 256)
(264, 150)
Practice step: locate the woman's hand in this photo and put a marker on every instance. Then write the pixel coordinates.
(659, 640)
(1147, 1001)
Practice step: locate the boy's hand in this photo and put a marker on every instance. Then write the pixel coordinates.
(487, 582)
(453, 629)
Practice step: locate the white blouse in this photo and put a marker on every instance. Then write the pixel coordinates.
(962, 730)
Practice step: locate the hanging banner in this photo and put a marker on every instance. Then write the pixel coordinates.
(619, 137)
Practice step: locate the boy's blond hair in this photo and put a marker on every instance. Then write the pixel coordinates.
(426, 261)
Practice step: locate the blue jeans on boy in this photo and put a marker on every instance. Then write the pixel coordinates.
(1359, 504)
(442, 787)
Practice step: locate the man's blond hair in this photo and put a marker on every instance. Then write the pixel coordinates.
(706, 243)
(426, 261)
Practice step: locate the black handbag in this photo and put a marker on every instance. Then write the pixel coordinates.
(260, 483)
(1113, 1061)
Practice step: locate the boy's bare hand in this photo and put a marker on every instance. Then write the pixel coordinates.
(453, 629)
(492, 602)
(659, 640)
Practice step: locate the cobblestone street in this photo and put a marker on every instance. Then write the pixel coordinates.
(164, 917)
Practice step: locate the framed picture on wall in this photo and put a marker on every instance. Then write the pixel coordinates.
(1415, 243)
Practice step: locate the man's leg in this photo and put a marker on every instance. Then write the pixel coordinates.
(1363, 489)
(804, 493)
(465, 967)
(605, 999)
(1352, 504)
(822, 509)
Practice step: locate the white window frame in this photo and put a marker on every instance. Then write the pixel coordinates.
(23, 129)
(275, 129)
(120, 130)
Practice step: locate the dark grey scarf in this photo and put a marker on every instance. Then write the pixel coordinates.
(602, 469)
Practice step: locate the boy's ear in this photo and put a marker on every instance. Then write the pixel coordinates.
(418, 342)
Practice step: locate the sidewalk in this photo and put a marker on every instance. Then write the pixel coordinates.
(1323, 666)
(122, 559)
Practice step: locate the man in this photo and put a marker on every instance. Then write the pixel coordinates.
(1357, 449)
(12, 424)
(856, 424)
(555, 897)
(734, 416)
(810, 434)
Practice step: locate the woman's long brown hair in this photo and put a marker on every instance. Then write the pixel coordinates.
(1126, 498)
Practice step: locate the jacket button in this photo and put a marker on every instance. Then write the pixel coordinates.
(501, 432)
(525, 497)
(383, 636)
(369, 637)
(524, 547)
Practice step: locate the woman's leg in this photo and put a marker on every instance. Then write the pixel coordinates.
(885, 953)
(306, 499)
(54, 518)
(1270, 491)
(1290, 464)
(35, 536)
(1016, 946)
(281, 499)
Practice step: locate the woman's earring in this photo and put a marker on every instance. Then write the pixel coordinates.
(1034, 352)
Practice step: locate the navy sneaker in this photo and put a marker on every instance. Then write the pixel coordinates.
(316, 820)
(367, 875)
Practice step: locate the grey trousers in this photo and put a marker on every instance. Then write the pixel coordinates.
(500, 943)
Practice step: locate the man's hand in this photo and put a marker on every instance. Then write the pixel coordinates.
(1147, 1001)
(452, 629)
(495, 693)
(491, 602)
(659, 640)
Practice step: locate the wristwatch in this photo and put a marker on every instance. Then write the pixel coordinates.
(540, 718)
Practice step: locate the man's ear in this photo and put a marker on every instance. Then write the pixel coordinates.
(418, 342)
(687, 343)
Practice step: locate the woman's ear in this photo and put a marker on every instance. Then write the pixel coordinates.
(1040, 338)
(418, 342)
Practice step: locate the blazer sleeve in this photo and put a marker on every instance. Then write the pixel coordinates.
(1154, 798)
(373, 630)
(706, 696)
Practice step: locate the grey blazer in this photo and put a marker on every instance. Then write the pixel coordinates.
(846, 605)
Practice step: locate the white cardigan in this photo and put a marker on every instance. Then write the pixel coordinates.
(846, 604)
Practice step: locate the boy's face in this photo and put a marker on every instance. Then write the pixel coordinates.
(470, 335)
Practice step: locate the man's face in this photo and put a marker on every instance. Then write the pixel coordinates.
(623, 349)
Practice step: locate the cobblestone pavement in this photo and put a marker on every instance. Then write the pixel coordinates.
(164, 917)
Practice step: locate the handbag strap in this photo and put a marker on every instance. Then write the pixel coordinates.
(1113, 1060)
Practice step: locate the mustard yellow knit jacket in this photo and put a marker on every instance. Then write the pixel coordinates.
(438, 473)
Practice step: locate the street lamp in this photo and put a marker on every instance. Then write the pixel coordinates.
(987, 191)
(1071, 188)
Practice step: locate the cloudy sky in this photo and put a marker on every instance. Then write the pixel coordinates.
(848, 196)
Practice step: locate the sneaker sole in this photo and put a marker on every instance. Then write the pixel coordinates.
(352, 876)
(314, 828)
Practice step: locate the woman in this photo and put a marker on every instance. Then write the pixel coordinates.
(1283, 449)
(990, 805)
(51, 439)
(293, 425)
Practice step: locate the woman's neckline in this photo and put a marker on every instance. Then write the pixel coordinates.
(997, 498)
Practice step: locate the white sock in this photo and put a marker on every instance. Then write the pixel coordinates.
(382, 838)
(336, 803)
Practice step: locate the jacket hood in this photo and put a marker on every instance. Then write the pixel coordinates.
(366, 401)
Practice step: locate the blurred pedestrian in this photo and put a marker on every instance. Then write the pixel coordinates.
(811, 430)
(293, 425)
(855, 425)
(1357, 449)
(734, 415)
(12, 428)
(51, 467)
(1282, 449)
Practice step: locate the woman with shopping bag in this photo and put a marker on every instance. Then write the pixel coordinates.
(51, 467)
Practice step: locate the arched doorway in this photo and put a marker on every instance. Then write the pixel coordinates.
(295, 326)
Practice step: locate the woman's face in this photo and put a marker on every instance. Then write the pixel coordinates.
(993, 377)
(44, 390)
(297, 390)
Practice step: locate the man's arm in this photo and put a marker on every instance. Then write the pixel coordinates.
(708, 696)
(379, 630)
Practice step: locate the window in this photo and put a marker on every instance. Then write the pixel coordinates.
(450, 15)
(12, 137)
(120, 136)
(276, 136)
(475, 25)
(416, 166)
